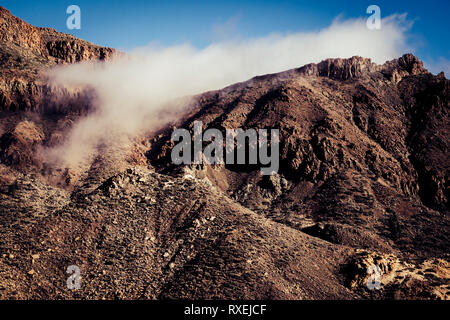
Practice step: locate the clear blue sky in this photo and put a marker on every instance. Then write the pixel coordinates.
(128, 24)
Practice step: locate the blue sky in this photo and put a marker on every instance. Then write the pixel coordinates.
(129, 24)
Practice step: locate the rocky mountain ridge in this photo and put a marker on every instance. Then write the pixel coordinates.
(363, 182)
(26, 51)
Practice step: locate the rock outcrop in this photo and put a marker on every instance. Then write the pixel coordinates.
(362, 185)
(26, 50)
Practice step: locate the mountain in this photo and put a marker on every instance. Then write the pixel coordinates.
(363, 181)
(26, 50)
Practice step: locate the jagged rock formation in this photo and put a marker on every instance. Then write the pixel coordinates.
(363, 181)
(363, 154)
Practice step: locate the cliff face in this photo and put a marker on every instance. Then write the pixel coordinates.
(25, 50)
(340, 69)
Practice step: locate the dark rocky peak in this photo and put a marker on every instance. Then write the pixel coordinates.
(411, 63)
(406, 65)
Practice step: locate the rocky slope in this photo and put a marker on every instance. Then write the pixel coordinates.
(363, 182)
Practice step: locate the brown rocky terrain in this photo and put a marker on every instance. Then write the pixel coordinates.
(363, 181)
